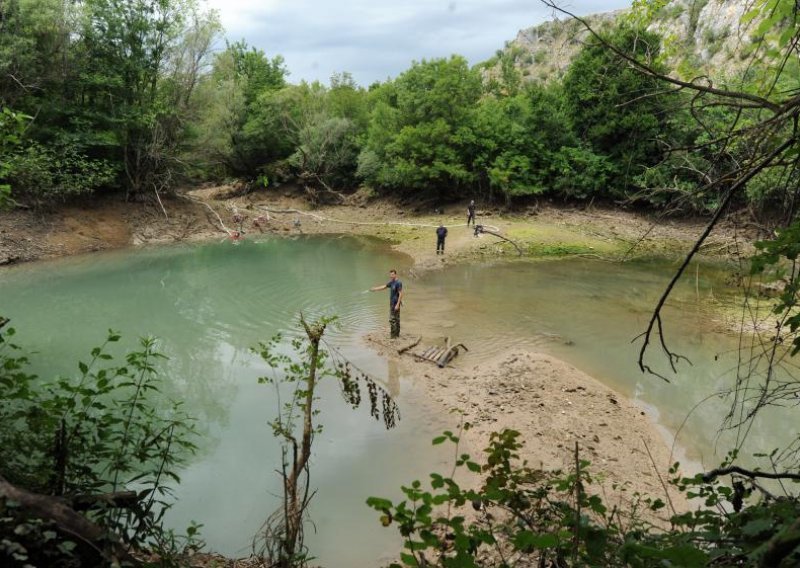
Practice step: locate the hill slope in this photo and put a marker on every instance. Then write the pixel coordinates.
(702, 36)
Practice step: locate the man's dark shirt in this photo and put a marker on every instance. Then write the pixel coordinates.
(441, 233)
(471, 210)
(394, 292)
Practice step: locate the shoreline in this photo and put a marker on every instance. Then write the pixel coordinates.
(553, 404)
(542, 232)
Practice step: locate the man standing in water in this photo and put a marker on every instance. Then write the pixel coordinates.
(395, 299)
(471, 212)
(441, 233)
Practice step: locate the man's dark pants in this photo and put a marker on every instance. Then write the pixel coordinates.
(440, 244)
(394, 322)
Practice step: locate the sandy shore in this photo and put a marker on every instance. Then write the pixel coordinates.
(553, 405)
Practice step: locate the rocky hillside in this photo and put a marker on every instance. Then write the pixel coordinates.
(698, 35)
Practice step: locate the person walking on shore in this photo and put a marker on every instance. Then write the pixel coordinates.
(471, 212)
(395, 300)
(441, 233)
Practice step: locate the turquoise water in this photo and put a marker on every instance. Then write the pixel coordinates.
(211, 303)
(588, 313)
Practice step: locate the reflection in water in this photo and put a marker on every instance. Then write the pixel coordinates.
(587, 313)
(393, 379)
(212, 303)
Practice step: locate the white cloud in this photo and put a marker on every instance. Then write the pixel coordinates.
(377, 39)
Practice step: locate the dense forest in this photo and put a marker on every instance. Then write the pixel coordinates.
(110, 95)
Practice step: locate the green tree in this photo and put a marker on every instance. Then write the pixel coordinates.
(128, 48)
(616, 111)
(421, 126)
(231, 136)
(518, 141)
(108, 84)
(39, 76)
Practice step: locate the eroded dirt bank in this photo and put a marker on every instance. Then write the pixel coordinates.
(540, 232)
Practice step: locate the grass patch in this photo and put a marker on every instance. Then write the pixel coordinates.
(559, 249)
(549, 241)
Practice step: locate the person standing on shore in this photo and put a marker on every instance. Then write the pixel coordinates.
(395, 300)
(441, 233)
(471, 212)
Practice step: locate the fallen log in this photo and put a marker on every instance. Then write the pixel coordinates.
(58, 511)
(117, 500)
(481, 229)
(410, 346)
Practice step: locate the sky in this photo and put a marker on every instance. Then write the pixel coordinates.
(375, 40)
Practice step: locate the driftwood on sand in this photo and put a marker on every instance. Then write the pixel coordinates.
(442, 355)
(409, 346)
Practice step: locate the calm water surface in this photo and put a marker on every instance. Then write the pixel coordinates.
(587, 313)
(211, 303)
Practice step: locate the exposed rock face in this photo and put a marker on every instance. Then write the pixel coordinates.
(698, 35)
(704, 33)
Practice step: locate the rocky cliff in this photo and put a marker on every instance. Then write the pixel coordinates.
(702, 36)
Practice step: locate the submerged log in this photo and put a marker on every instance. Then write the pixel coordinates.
(436, 354)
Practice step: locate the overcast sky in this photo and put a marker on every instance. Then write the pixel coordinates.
(376, 39)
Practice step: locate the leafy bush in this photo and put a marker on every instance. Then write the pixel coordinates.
(11, 126)
(43, 175)
(581, 173)
(104, 430)
(526, 517)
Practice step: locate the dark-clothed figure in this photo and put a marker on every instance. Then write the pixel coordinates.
(395, 301)
(471, 212)
(441, 233)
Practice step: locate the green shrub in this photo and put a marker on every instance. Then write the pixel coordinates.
(46, 175)
(104, 430)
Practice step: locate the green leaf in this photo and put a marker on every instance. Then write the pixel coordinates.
(379, 503)
(685, 555)
(527, 541)
(757, 527)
